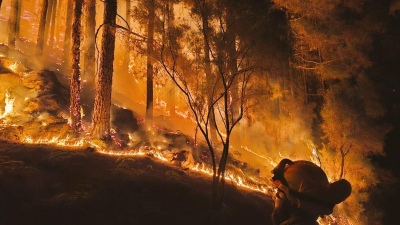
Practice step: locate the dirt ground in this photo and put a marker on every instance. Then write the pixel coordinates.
(42, 185)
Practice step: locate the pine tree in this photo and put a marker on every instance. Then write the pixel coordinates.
(75, 85)
(102, 103)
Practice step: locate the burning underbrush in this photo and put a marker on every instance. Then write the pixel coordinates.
(34, 110)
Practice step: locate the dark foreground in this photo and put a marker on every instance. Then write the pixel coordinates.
(43, 185)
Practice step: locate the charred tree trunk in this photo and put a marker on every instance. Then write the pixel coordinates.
(53, 24)
(75, 85)
(89, 60)
(42, 24)
(1, 1)
(67, 35)
(150, 72)
(13, 23)
(102, 103)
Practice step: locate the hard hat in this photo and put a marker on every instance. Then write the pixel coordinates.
(306, 185)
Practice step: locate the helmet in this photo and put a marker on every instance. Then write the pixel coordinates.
(306, 185)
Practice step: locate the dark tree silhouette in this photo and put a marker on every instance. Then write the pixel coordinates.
(13, 23)
(205, 11)
(150, 69)
(219, 93)
(42, 24)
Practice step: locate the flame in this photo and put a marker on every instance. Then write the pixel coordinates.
(183, 114)
(14, 67)
(9, 105)
(67, 141)
(198, 167)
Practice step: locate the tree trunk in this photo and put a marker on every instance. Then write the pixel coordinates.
(13, 23)
(169, 16)
(67, 35)
(75, 85)
(209, 75)
(59, 21)
(89, 55)
(102, 103)
(48, 24)
(171, 98)
(42, 24)
(128, 20)
(18, 22)
(233, 68)
(53, 24)
(90, 31)
(221, 174)
(150, 37)
(1, 1)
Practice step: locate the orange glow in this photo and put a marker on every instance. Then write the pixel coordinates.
(9, 105)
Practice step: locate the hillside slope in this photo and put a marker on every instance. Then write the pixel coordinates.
(47, 185)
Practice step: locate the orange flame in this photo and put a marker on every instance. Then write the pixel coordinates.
(9, 105)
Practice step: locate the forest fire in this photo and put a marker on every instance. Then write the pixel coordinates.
(208, 87)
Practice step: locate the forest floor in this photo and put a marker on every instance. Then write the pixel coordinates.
(48, 185)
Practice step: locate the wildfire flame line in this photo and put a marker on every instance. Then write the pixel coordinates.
(58, 141)
(198, 167)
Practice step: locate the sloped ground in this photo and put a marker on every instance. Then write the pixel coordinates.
(43, 185)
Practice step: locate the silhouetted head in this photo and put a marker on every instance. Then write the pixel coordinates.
(306, 187)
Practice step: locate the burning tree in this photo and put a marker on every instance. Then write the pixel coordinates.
(222, 94)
